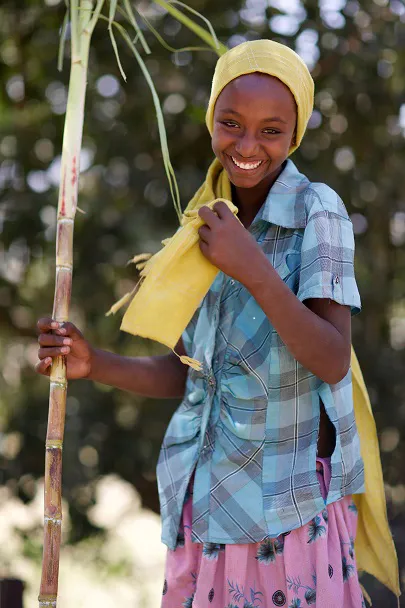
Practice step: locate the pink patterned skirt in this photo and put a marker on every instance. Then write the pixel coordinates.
(311, 566)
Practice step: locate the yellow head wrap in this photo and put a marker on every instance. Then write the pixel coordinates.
(270, 58)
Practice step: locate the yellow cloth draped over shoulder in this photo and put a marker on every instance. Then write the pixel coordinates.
(175, 280)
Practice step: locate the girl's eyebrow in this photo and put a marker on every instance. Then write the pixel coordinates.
(271, 119)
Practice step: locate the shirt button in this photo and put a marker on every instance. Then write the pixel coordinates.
(232, 282)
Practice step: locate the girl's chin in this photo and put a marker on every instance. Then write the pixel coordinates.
(245, 181)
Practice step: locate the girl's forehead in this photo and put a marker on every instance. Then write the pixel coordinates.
(262, 89)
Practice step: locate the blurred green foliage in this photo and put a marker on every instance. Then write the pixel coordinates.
(355, 143)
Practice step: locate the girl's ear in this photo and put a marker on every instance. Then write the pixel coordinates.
(294, 139)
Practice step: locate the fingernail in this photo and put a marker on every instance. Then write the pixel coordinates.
(65, 349)
(54, 324)
(48, 360)
(67, 341)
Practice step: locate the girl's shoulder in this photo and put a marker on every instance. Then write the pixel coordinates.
(321, 198)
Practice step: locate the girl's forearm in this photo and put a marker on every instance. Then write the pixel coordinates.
(312, 340)
(159, 377)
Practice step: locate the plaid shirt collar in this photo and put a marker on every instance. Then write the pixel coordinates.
(284, 205)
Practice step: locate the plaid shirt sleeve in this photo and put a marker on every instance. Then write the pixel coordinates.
(327, 254)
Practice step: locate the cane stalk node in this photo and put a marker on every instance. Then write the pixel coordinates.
(65, 266)
(59, 384)
(47, 600)
(53, 520)
(54, 443)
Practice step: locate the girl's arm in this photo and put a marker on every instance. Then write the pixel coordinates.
(317, 333)
(160, 377)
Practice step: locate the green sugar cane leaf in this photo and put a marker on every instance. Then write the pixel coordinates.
(74, 28)
(136, 27)
(139, 33)
(112, 11)
(113, 7)
(62, 41)
(86, 8)
(114, 44)
(163, 41)
(174, 190)
(206, 21)
(95, 17)
(212, 41)
(161, 127)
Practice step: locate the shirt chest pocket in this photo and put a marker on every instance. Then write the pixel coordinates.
(289, 270)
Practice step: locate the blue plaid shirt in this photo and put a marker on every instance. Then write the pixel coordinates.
(248, 423)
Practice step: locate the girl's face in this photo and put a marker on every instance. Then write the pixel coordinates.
(254, 126)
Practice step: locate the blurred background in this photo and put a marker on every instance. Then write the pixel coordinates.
(355, 142)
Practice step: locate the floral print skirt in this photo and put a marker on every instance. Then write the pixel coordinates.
(311, 566)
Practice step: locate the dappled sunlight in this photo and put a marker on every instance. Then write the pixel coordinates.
(124, 566)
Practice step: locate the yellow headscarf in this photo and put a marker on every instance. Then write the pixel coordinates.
(175, 280)
(270, 58)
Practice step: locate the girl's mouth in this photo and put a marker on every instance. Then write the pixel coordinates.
(247, 167)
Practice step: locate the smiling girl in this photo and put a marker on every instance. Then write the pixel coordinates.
(260, 461)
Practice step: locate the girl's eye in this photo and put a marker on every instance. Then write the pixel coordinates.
(271, 132)
(229, 123)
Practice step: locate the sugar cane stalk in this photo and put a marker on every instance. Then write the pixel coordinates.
(81, 30)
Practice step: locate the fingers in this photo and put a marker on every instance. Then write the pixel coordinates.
(54, 340)
(209, 217)
(204, 233)
(222, 210)
(212, 218)
(46, 324)
(70, 330)
(44, 367)
(56, 351)
(204, 248)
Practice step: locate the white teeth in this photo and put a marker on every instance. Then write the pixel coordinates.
(247, 166)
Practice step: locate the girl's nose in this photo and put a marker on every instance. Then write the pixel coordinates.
(246, 146)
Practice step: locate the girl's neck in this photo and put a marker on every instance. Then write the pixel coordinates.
(250, 200)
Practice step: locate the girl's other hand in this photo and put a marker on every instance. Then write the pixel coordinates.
(226, 243)
(57, 339)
